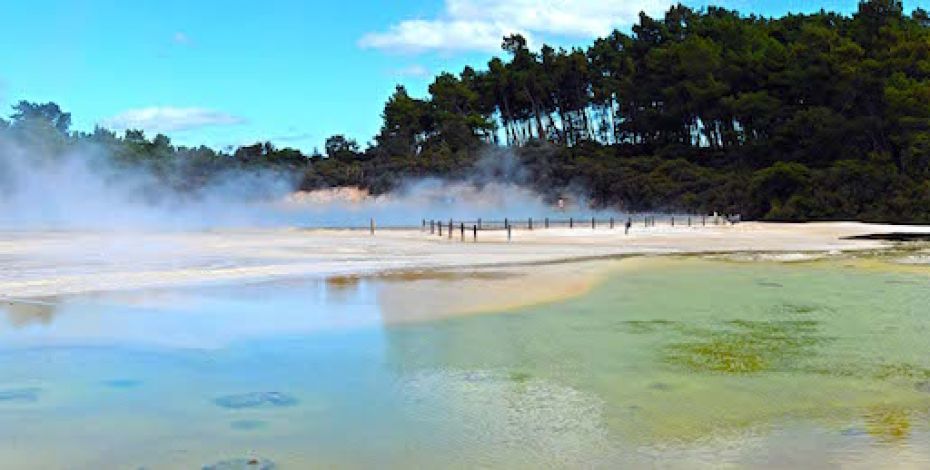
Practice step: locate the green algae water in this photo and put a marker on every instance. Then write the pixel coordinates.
(676, 362)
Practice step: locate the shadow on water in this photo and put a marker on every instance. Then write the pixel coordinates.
(23, 313)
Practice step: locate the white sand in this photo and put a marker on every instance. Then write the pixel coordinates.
(40, 264)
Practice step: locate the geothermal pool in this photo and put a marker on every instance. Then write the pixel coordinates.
(681, 361)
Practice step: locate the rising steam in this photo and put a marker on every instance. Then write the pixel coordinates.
(84, 189)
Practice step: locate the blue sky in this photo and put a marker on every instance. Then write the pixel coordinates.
(232, 72)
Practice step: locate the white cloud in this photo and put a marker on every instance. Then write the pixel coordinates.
(169, 119)
(414, 70)
(181, 38)
(448, 35)
(296, 137)
(467, 25)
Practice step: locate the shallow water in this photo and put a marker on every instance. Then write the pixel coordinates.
(681, 362)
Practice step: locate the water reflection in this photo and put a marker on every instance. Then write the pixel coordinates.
(204, 317)
(729, 371)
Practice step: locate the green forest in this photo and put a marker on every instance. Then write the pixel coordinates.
(805, 117)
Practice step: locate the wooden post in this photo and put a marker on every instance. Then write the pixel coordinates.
(547, 222)
(530, 223)
(571, 222)
(432, 226)
(704, 220)
(508, 233)
(506, 223)
(450, 229)
(611, 223)
(474, 233)
(440, 228)
(462, 228)
(593, 223)
(423, 227)
(372, 225)
(673, 221)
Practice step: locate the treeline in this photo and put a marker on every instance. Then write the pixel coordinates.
(804, 117)
(820, 116)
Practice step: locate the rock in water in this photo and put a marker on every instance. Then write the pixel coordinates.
(242, 464)
(256, 400)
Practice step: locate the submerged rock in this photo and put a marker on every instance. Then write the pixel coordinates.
(122, 383)
(242, 464)
(22, 395)
(770, 284)
(662, 386)
(247, 424)
(256, 400)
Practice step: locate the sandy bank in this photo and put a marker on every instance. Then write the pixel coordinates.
(35, 264)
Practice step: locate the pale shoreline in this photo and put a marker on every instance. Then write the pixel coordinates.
(54, 263)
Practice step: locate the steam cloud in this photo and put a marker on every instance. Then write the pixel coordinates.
(84, 189)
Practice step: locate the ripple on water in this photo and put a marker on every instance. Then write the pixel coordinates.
(501, 412)
(255, 400)
(20, 395)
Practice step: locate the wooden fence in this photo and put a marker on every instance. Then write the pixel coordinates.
(463, 229)
(451, 228)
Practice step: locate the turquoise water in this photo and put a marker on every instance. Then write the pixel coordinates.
(680, 362)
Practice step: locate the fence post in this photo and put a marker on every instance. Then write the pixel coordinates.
(440, 228)
(450, 229)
